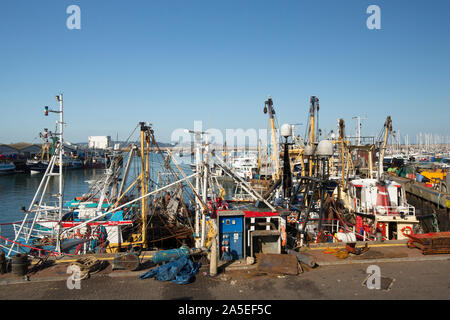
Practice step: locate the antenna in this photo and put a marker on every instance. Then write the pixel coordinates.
(358, 129)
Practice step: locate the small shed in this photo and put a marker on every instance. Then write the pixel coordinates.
(27, 150)
(7, 150)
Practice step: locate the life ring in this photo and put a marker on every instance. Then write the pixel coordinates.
(404, 228)
(283, 236)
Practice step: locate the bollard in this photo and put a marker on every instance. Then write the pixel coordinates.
(213, 259)
(2, 262)
(19, 264)
(379, 237)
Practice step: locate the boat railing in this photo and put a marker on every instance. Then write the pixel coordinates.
(333, 226)
(48, 204)
(406, 210)
(48, 215)
(48, 210)
(241, 197)
(6, 246)
(42, 232)
(34, 232)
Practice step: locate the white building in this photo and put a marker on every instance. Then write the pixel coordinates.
(99, 142)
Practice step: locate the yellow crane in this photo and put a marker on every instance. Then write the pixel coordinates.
(387, 129)
(268, 108)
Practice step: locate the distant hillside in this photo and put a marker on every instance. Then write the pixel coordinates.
(124, 144)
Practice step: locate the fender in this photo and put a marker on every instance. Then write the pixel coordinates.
(283, 236)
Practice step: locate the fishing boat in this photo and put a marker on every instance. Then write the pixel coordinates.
(41, 161)
(245, 166)
(6, 166)
(110, 217)
(40, 166)
(77, 163)
(339, 196)
(49, 227)
(36, 166)
(383, 203)
(380, 202)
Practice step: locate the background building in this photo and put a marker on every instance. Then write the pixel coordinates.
(99, 142)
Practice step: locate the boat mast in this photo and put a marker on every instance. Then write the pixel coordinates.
(259, 159)
(312, 136)
(145, 154)
(205, 190)
(313, 110)
(61, 150)
(387, 129)
(60, 174)
(268, 108)
(198, 137)
(341, 141)
(358, 129)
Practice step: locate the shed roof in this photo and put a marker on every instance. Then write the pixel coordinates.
(20, 145)
(4, 148)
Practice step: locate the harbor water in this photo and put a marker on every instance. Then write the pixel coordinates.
(17, 191)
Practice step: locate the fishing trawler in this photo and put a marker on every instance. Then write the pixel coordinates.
(334, 198)
(37, 165)
(383, 202)
(41, 161)
(108, 218)
(380, 201)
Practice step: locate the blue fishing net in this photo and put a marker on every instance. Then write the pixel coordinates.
(180, 271)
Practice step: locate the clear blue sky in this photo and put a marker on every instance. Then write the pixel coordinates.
(173, 62)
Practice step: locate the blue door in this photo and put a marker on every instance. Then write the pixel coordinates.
(231, 237)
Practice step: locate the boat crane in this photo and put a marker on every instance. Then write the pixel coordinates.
(268, 109)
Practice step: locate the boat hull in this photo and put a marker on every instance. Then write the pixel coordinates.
(7, 168)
